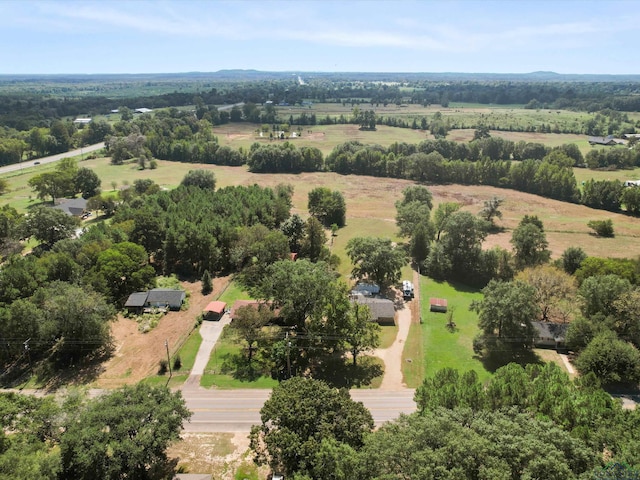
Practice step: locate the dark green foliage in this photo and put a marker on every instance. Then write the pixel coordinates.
(207, 285)
(602, 228)
(375, 259)
(199, 178)
(572, 259)
(460, 444)
(123, 434)
(610, 359)
(631, 200)
(530, 243)
(602, 194)
(49, 225)
(305, 424)
(599, 292)
(506, 312)
(458, 253)
(87, 182)
(327, 206)
(284, 158)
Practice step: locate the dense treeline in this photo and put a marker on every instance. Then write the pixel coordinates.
(27, 110)
(526, 423)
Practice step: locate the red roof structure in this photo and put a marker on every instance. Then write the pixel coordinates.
(215, 307)
(438, 304)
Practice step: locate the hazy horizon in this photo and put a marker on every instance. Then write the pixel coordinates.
(463, 36)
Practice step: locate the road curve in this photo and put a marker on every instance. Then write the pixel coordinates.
(52, 158)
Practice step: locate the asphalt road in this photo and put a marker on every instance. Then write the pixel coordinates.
(238, 410)
(52, 158)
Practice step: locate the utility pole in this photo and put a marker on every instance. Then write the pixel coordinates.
(288, 359)
(166, 344)
(26, 349)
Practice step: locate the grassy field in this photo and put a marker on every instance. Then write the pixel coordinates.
(444, 347)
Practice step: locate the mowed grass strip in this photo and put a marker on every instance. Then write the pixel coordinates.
(442, 346)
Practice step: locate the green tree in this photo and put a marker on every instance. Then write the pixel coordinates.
(506, 312)
(631, 200)
(123, 434)
(299, 415)
(602, 228)
(376, 259)
(441, 216)
(572, 258)
(49, 225)
(200, 178)
(121, 270)
(410, 215)
(599, 293)
(87, 182)
(459, 444)
(248, 322)
(491, 209)
(327, 206)
(4, 186)
(530, 245)
(361, 333)
(554, 291)
(461, 242)
(75, 318)
(611, 360)
(294, 229)
(313, 243)
(207, 285)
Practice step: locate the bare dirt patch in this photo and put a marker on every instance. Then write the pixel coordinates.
(137, 355)
(219, 454)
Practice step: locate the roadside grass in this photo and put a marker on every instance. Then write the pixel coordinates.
(188, 351)
(443, 347)
(413, 357)
(221, 372)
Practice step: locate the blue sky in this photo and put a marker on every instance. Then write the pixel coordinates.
(139, 36)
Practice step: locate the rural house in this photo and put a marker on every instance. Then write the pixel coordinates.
(168, 298)
(547, 334)
(608, 140)
(75, 207)
(382, 310)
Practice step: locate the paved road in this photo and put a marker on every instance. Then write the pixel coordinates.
(238, 410)
(52, 158)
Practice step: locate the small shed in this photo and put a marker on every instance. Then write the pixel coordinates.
(214, 310)
(438, 305)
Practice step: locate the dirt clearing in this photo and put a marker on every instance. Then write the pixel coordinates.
(137, 355)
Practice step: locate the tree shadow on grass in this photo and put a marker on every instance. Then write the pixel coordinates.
(240, 368)
(341, 373)
(494, 359)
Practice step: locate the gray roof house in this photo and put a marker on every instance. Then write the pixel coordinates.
(547, 334)
(72, 206)
(382, 309)
(158, 298)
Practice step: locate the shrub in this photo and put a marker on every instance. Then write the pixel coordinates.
(602, 228)
(177, 363)
(163, 367)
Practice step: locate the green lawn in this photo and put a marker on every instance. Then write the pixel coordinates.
(442, 347)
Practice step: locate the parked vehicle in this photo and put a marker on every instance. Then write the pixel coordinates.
(407, 290)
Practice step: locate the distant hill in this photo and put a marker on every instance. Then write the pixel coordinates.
(243, 75)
